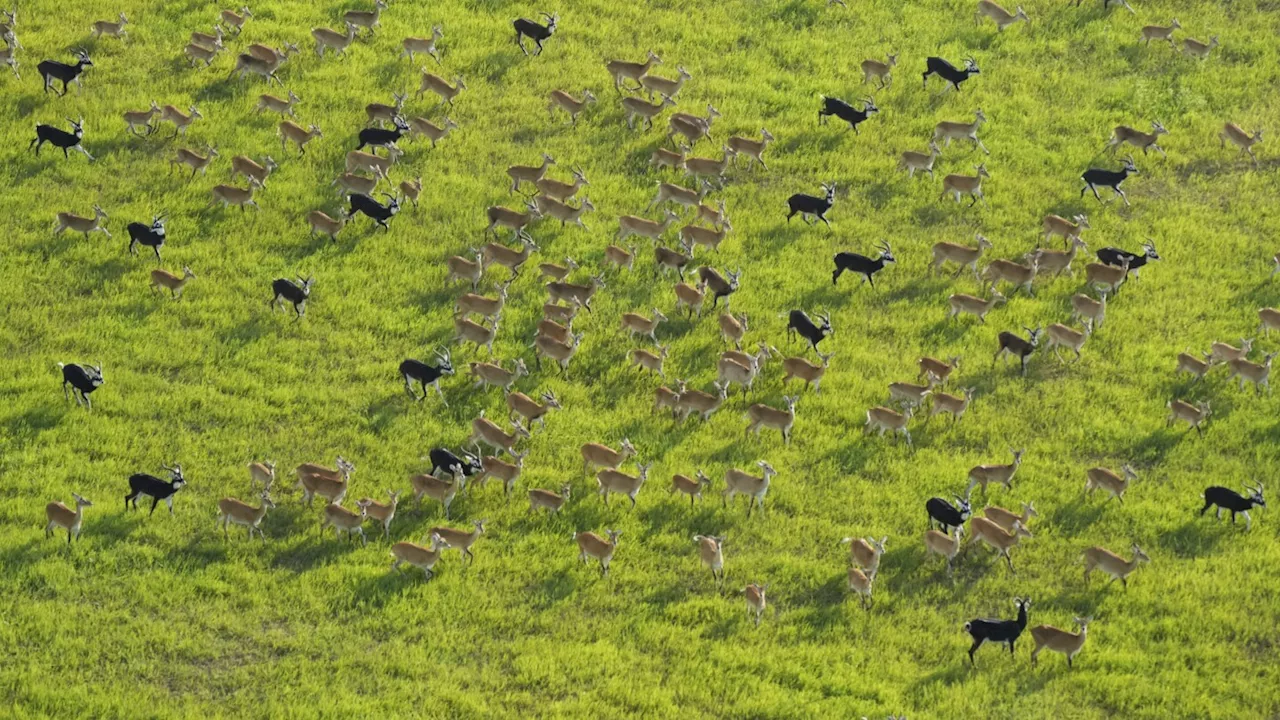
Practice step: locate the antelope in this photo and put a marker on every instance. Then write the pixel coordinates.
(495, 254)
(461, 268)
(691, 486)
(1006, 518)
(664, 398)
(1240, 138)
(411, 189)
(882, 419)
(368, 19)
(328, 484)
(1091, 311)
(1198, 50)
(1108, 481)
(276, 105)
(380, 167)
(262, 472)
(755, 488)
(865, 552)
(690, 297)
(491, 375)
(692, 127)
(434, 133)
(1193, 415)
(861, 582)
(760, 415)
(1157, 32)
(61, 516)
(962, 303)
(565, 101)
(252, 171)
(963, 256)
(520, 404)
(880, 71)
(666, 158)
(554, 330)
(636, 324)
(602, 456)
(438, 85)
(277, 56)
(480, 305)
(560, 352)
(344, 520)
(1060, 336)
(701, 168)
(635, 107)
(231, 195)
(1225, 353)
(666, 87)
(292, 132)
(84, 225)
(1018, 274)
(1107, 278)
(1146, 141)
(629, 225)
(1001, 474)
(668, 192)
(755, 595)
(1111, 564)
(736, 366)
(704, 404)
(732, 328)
(488, 432)
(646, 360)
(574, 293)
(502, 471)
(114, 29)
(425, 559)
(622, 70)
(1256, 373)
(710, 551)
(322, 224)
(181, 121)
(231, 510)
(561, 313)
(327, 39)
(937, 369)
(910, 394)
(7, 56)
(937, 542)
(193, 160)
(462, 540)
(811, 374)
(515, 221)
(1059, 260)
(165, 279)
(1189, 363)
(476, 333)
(1002, 18)
(951, 404)
(948, 131)
(753, 149)
(990, 533)
(529, 173)
(666, 259)
(208, 40)
(591, 545)
(426, 46)
(615, 481)
(440, 489)
(971, 185)
(557, 210)
(562, 191)
(234, 19)
(247, 63)
(713, 216)
(551, 502)
(1058, 640)
(134, 118)
(1055, 225)
(382, 112)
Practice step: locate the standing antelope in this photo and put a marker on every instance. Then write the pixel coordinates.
(865, 552)
(753, 149)
(756, 602)
(462, 540)
(1111, 564)
(970, 185)
(565, 101)
(755, 488)
(1002, 541)
(733, 328)
(879, 71)
(1147, 141)
(711, 552)
(344, 520)
(1002, 18)
(1193, 415)
(231, 510)
(438, 85)
(591, 545)
(949, 131)
(615, 481)
(962, 255)
(1058, 640)
(551, 502)
(60, 516)
(937, 542)
(1240, 139)
(691, 486)
(85, 225)
(760, 415)
(1091, 311)
(1001, 474)
(882, 419)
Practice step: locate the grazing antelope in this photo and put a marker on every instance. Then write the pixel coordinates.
(701, 168)
(424, 45)
(1001, 474)
(629, 225)
(549, 501)
(231, 510)
(911, 161)
(232, 195)
(666, 158)
(691, 486)
(1069, 231)
(710, 551)
(810, 373)
(962, 303)
(234, 19)
(970, 185)
(344, 520)
(998, 538)
(442, 489)
(529, 173)
(647, 360)
(60, 516)
(1018, 274)
(937, 542)
(490, 375)
(689, 297)
(637, 108)
(135, 118)
(499, 216)
(1147, 141)
(732, 328)
(948, 131)
(504, 472)
(1189, 363)
(461, 268)
(181, 121)
(755, 488)
(322, 224)
(1002, 18)
(193, 160)
(636, 324)
(560, 352)
(602, 456)
(860, 582)
(1006, 518)
(1157, 32)
(520, 404)
(575, 294)
(939, 370)
(1241, 139)
(756, 602)
(425, 559)
(883, 418)
(276, 105)
(615, 481)
(565, 101)
(1193, 415)
(1107, 278)
(262, 472)
(591, 545)
(462, 540)
(1091, 312)
(173, 283)
(1057, 261)
(328, 39)
(252, 171)
(882, 72)
(760, 415)
(961, 255)
(1256, 373)
(623, 70)
(1060, 336)
(951, 404)
(84, 225)
(113, 29)
(368, 19)
(1111, 564)
(438, 85)
(434, 133)
(704, 404)
(753, 149)
(865, 552)
(562, 191)
(291, 132)
(1058, 640)
(1199, 50)
(1224, 353)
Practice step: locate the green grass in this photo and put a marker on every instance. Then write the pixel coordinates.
(161, 617)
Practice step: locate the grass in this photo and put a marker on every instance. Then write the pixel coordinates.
(160, 616)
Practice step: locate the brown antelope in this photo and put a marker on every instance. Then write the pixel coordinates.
(811, 374)
(348, 183)
(1059, 640)
(954, 405)
(963, 303)
(7, 56)
(111, 28)
(615, 481)
(1241, 139)
(520, 404)
(476, 333)
(1006, 518)
(732, 328)
(436, 84)
(488, 432)
(193, 160)
(554, 330)
(561, 313)
(504, 472)
(268, 54)
(329, 39)
(1146, 141)
(689, 297)
(380, 167)
(623, 70)
(434, 133)
(701, 403)
(555, 272)
(1252, 372)
(1002, 18)
(1018, 274)
(462, 540)
(60, 516)
(1224, 353)
(566, 214)
(753, 149)
(940, 370)
(1193, 415)
(629, 225)
(487, 307)
(208, 40)
(602, 456)
(948, 131)
(424, 45)
(691, 486)
(756, 601)
(437, 488)
(1189, 363)
(1060, 336)
(232, 195)
(755, 488)
(1105, 479)
(276, 105)
(1001, 474)
(666, 158)
(247, 63)
(384, 513)
(692, 127)
(173, 283)
(381, 112)
(425, 559)
(1068, 230)
(292, 132)
(961, 255)
(706, 237)
(1111, 564)
(996, 537)
(549, 501)
(330, 487)
(368, 19)
(702, 168)
(343, 520)
(574, 293)
(135, 118)
(860, 582)
(411, 189)
(742, 368)
(591, 545)
(670, 192)
(710, 551)
(262, 472)
(495, 254)
(234, 19)
(252, 171)
(666, 87)
(667, 259)
(1056, 261)
(911, 161)
(664, 398)
(515, 221)
(1269, 319)
(1091, 312)
(565, 101)
(910, 394)
(84, 225)
(760, 415)
(1157, 32)
(181, 121)
(622, 258)
(937, 542)
(322, 224)
(529, 173)
(1107, 278)
(636, 324)
(560, 352)
(882, 72)
(1199, 50)
(651, 361)
(635, 107)
(865, 552)
(883, 418)
(971, 185)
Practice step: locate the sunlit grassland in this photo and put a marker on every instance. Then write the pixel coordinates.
(159, 616)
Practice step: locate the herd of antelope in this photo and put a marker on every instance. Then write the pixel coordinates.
(702, 225)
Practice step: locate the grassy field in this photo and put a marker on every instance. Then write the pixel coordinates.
(159, 616)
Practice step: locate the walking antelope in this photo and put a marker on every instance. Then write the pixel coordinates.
(263, 473)
(491, 375)
(1091, 311)
(623, 70)
(647, 360)
(1189, 363)
(504, 472)
(135, 118)
(710, 551)
(292, 132)
(549, 501)
(1001, 631)
(438, 85)
(424, 45)
(1193, 415)
(810, 373)
(1226, 499)
(756, 602)
(1198, 50)
(425, 559)
(690, 297)
(1158, 32)
(529, 173)
(865, 552)
(565, 101)
(664, 398)
(879, 71)
(742, 368)
(368, 19)
(1018, 274)
(488, 432)
(591, 545)
(948, 131)
(1068, 230)
(384, 513)
(111, 28)
(1252, 372)
(691, 486)
(60, 516)
(602, 456)
(665, 258)
(231, 510)
(1002, 18)
(666, 158)
(1058, 640)
(554, 330)
(1056, 261)
(911, 161)
(193, 160)
(381, 112)
(990, 533)
(635, 107)
(701, 403)
(733, 328)
(636, 324)
(1108, 481)
(1107, 278)
(760, 415)
(520, 404)
(962, 303)
(462, 540)
(276, 105)
(754, 487)
(938, 369)
(1001, 474)
(321, 224)
(910, 394)
(575, 293)
(1147, 141)
(615, 481)
(666, 87)
(861, 582)
(7, 56)
(883, 418)
(560, 313)
(1223, 353)
(231, 195)
(560, 352)
(629, 225)
(485, 307)
(326, 482)
(234, 19)
(1241, 139)
(328, 39)
(495, 254)
(954, 405)
(970, 185)
(566, 214)
(937, 542)
(344, 520)
(961, 255)
(1111, 564)
(692, 127)
(1269, 319)
(181, 121)
(434, 133)
(173, 283)
(1006, 518)
(197, 53)
(252, 171)
(753, 149)
(1093, 177)
(85, 225)
(1060, 336)
(559, 190)
(442, 489)
(515, 221)
(208, 40)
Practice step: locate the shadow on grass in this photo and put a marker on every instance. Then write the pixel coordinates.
(1194, 538)
(1074, 518)
(318, 550)
(27, 427)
